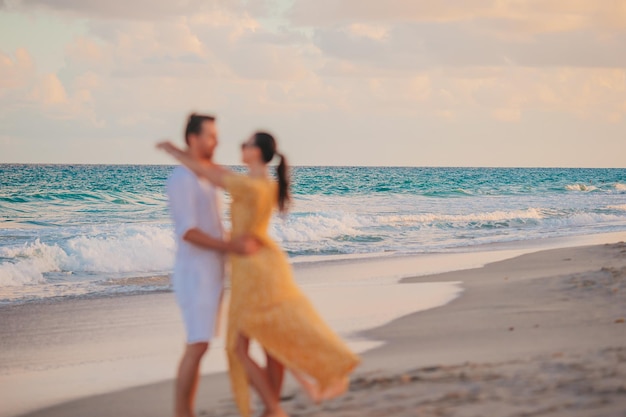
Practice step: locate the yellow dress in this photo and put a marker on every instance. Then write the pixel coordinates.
(266, 305)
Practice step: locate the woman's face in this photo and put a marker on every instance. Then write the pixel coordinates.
(250, 153)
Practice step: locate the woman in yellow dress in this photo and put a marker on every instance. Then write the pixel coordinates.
(266, 305)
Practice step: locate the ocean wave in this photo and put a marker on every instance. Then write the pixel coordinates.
(580, 187)
(32, 261)
(315, 227)
(135, 250)
(583, 219)
(455, 192)
(138, 248)
(352, 227)
(434, 218)
(130, 249)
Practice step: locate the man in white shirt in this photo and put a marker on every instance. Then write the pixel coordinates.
(199, 268)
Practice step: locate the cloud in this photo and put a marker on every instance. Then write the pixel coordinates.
(531, 16)
(15, 71)
(507, 115)
(503, 94)
(139, 49)
(411, 46)
(585, 93)
(27, 91)
(377, 32)
(85, 51)
(208, 45)
(49, 90)
(329, 12)
(127, 10)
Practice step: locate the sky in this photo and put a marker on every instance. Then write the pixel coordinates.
(339, 82)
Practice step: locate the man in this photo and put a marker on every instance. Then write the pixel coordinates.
(199, 267)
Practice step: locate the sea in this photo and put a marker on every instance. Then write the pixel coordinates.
(102, 230)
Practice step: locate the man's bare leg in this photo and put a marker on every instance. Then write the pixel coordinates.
(187, 379)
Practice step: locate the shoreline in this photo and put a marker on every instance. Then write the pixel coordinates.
(392, 356)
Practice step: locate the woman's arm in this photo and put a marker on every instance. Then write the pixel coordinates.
(213, 173)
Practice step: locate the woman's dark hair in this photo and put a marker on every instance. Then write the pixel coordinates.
(267, 144)
(194, 124)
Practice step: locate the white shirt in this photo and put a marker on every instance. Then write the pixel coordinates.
(194, 203)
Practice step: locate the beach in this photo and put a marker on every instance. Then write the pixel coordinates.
(436, 184)
(538, 331)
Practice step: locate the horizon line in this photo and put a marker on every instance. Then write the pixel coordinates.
(319, 166)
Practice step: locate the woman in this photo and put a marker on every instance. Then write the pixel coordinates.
(266, 305)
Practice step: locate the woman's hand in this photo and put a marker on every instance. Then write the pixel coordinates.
(170, 148)
(211, 172)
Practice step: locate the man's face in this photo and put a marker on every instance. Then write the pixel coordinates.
(205, 142)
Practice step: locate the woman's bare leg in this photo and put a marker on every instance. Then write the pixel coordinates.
(275, 373)
(258, 379)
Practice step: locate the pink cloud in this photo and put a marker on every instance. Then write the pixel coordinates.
(15, 70)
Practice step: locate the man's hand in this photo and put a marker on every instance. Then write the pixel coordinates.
(245, 245)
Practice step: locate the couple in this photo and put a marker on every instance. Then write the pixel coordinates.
(266, 305)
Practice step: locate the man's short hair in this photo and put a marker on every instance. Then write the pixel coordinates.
(194, 124)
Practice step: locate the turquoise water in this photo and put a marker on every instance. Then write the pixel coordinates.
(71, 230)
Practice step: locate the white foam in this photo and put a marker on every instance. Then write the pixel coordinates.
(138, 249)
(531, 213)
(144, 249)
(584, 219)
(32, 261)
(125, 250)
(580, 187)
(621, 207)
(315, 227)
(320, 226)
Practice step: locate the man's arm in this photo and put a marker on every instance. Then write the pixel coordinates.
(182, 203)
(242, 246)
